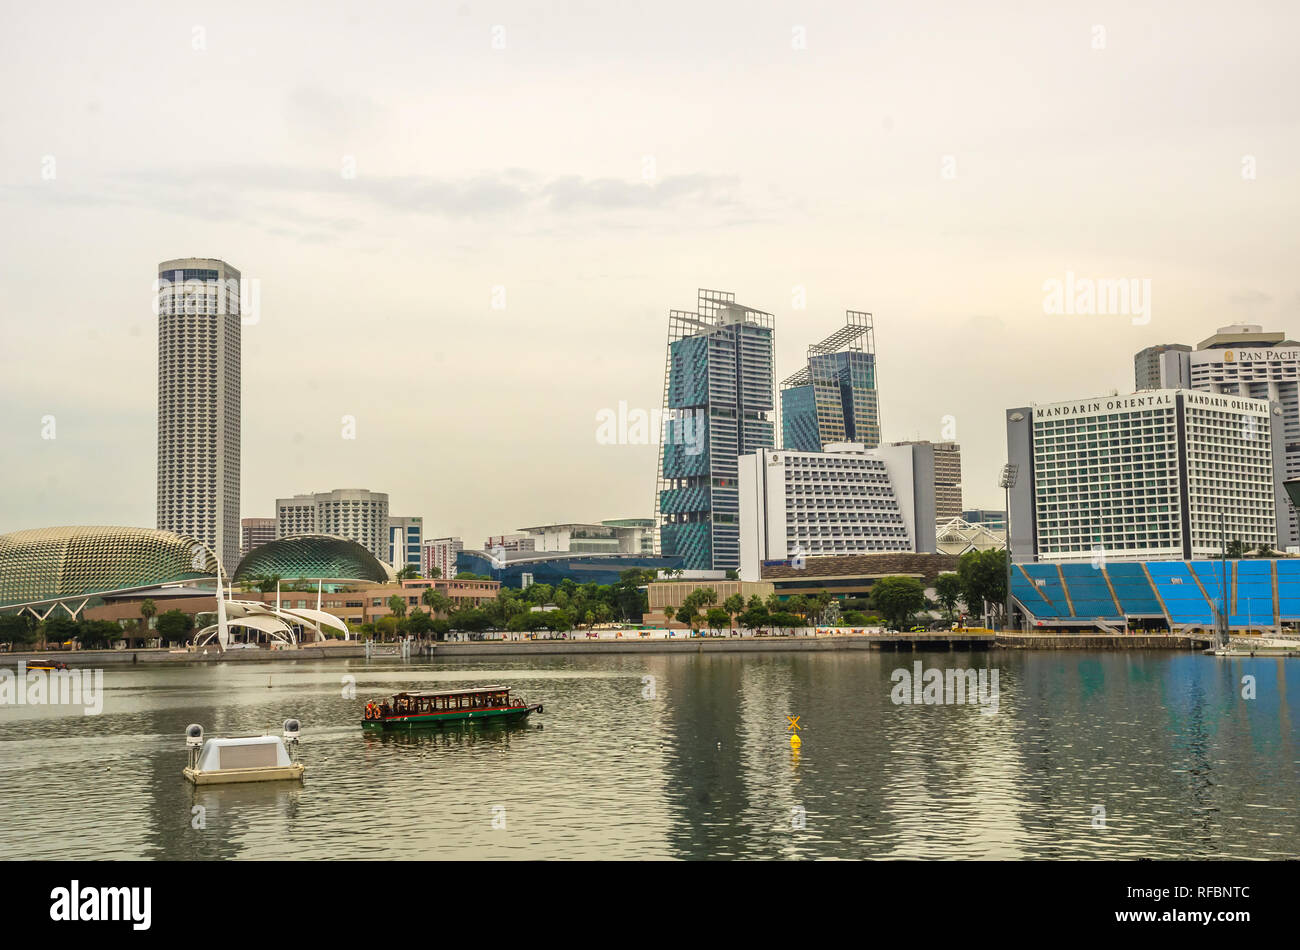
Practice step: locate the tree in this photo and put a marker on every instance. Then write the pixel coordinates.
(98, 634)
(174, 626)
(435, 573)
(983, 576)
(733, 605)
(717, 618)
(756, 615)
(17, 628)
(419, 623)
(1264, 550)
(147, 610)
(897, 598)
(266, 582)
(409, 572)
(733, 574)
(1236, 549)
(688, 614)
(397, 604)
(440, 627)
(436, 601)
(386, 627)
(947, 591)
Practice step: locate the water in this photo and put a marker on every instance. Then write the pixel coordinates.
(1164, 742)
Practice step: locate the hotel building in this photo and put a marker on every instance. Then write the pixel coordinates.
(1147, 475)
(198, 305)
(846, 500)
(353, 513)
(1245, 360)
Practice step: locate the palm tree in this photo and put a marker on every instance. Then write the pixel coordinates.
(735, 604)
(147, 610)
(397, 605)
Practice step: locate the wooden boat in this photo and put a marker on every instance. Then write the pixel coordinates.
(409, 710)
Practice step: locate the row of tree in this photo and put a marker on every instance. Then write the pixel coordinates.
(20, 630)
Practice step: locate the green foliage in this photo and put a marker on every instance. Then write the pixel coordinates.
(17, 628)
(897, 598)
(419, 623)
(717, 618)
(97, 634)
(397, 604)
(174, 626)
(983, 576)
(947, 591)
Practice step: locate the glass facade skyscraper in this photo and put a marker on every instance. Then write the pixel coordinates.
(833, 398)
(718, 400)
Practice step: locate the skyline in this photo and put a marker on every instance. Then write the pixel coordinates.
(522, 168)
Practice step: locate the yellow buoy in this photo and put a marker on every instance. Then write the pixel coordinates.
(795, 742)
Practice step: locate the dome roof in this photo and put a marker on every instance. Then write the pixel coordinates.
(313, 556)
(46, 564)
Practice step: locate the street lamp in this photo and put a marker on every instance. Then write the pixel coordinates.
(1010, 472)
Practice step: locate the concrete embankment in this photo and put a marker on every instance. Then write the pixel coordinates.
(922, 642)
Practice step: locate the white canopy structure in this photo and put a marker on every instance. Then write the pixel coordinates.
(281, 625)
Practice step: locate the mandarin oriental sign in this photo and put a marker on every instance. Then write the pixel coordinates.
(1159, 400)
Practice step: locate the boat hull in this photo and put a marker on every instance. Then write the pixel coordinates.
(436, 720)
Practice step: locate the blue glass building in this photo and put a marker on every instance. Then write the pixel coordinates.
(833, 398)
(718, 401)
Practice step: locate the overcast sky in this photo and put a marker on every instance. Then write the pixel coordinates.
(934, 164)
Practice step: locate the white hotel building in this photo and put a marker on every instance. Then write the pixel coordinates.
(1147, 475)
(353, 513)
(1242, 360)
(846, 500)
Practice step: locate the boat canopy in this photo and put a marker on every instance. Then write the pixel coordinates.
(454, 692)
(251, 752)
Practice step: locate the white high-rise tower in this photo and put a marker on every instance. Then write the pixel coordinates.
(198, 403)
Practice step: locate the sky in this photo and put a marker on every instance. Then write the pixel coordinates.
(468, 223)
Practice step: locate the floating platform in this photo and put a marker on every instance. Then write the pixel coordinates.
(244, 759)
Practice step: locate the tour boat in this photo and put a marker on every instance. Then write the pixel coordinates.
(407, 710)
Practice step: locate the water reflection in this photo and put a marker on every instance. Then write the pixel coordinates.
(1179, 762)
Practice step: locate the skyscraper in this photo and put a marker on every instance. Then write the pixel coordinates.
(1241, 360)
(198, 403)
(833, 398)
(718, 400)
(357, 514)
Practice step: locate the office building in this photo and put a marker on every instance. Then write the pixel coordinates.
(198, 305)
(1144, 476)
(991, 518)
(619, 536)
(833, 398)
(946, 461)
(718, 402)
(254, 532)
(846, 500)
(510, 542)
(1162, 367)
(405, 541)
(440, 554)
(353, 513)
